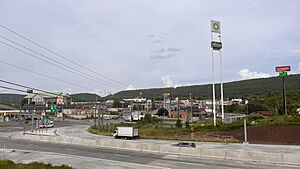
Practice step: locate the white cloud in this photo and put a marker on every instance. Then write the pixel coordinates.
(246, 74)
(153, 57)
(130, 87)
(167, 81)
(298, 66)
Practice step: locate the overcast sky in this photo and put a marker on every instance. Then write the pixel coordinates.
(147, 43)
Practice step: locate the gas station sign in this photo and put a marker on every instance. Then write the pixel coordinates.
(283, 68)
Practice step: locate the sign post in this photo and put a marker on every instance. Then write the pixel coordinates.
(283, 73)
(216, 45)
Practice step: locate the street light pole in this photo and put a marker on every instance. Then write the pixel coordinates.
(245, 131)
(213, 89)
(284, 95)
(95, 112)
(191, 104)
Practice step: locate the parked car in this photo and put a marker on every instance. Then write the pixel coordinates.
(47, 125)
(185, 144)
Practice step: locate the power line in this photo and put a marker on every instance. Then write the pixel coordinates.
(10, 88)
(53, 64)
(59, 55)
(50, 77)
(53, 60)
(27, 87)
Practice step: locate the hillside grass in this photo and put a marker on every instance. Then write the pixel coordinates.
(203, 129)
(7, 164)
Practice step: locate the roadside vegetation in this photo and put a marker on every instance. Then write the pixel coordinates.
(203, 130)
(7, 164)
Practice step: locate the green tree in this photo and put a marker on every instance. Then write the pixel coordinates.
(187, 124)
(178, 123)
(162, 112)
(117, 103)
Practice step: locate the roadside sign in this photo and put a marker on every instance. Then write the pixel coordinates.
(282, 74)
(216, 45)
(59, 100)
(215, 26)
(283, 68)
(53, 108)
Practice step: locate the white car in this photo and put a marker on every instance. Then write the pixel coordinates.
(47, 125)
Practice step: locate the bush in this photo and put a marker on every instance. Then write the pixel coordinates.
(255, 117)
(187, 124)
(7, 164)
(178, 123)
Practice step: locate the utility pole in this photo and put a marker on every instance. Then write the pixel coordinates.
(221, 84)
(284, 95)
(99, 119)
(95, 111)
(283, 72)
(245, 130)
(191, 105)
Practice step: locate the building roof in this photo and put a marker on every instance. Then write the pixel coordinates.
(46, 95)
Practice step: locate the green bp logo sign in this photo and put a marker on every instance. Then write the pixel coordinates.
(216, 26)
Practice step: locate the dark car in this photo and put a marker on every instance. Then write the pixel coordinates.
(185, 144)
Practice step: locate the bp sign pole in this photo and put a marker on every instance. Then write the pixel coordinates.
(216, 45)
(282, 73)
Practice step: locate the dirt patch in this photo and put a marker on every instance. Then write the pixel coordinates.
(267, 134)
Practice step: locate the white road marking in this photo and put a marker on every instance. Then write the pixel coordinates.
(71, 149)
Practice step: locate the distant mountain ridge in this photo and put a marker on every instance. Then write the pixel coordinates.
(238, 89)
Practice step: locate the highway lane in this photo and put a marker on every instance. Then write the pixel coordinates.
(130, 158)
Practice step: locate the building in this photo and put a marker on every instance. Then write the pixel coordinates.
(47, 98)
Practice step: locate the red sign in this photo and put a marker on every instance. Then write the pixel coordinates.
(59, 100)
(283, 68)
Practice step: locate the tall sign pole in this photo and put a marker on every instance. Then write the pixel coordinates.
(282, 73)
(216, 45)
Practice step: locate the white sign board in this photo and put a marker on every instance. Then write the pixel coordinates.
(215, 26)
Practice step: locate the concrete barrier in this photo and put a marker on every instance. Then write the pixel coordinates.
(87, 141)
(167, 149)
(239, 154)
(291, 158)
(268, 157)
(148, 147)
(106, 143)
(242, 155)
(133, 146)
(215, 153)
(189, 151)
(77, 140)
(120, 144)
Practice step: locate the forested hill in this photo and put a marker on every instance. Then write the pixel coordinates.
(246, 88)
(89, 97)
(9, 98)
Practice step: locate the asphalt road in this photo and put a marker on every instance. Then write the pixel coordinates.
(90, 157)
(130, 158)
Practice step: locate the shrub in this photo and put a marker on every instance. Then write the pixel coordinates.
(178, 123)
(187, 124)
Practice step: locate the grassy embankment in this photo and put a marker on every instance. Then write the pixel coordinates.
(7, 164)
(153, 128)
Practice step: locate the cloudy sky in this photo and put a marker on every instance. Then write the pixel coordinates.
(143, 43)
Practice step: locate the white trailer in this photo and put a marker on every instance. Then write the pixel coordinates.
(126, 132)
